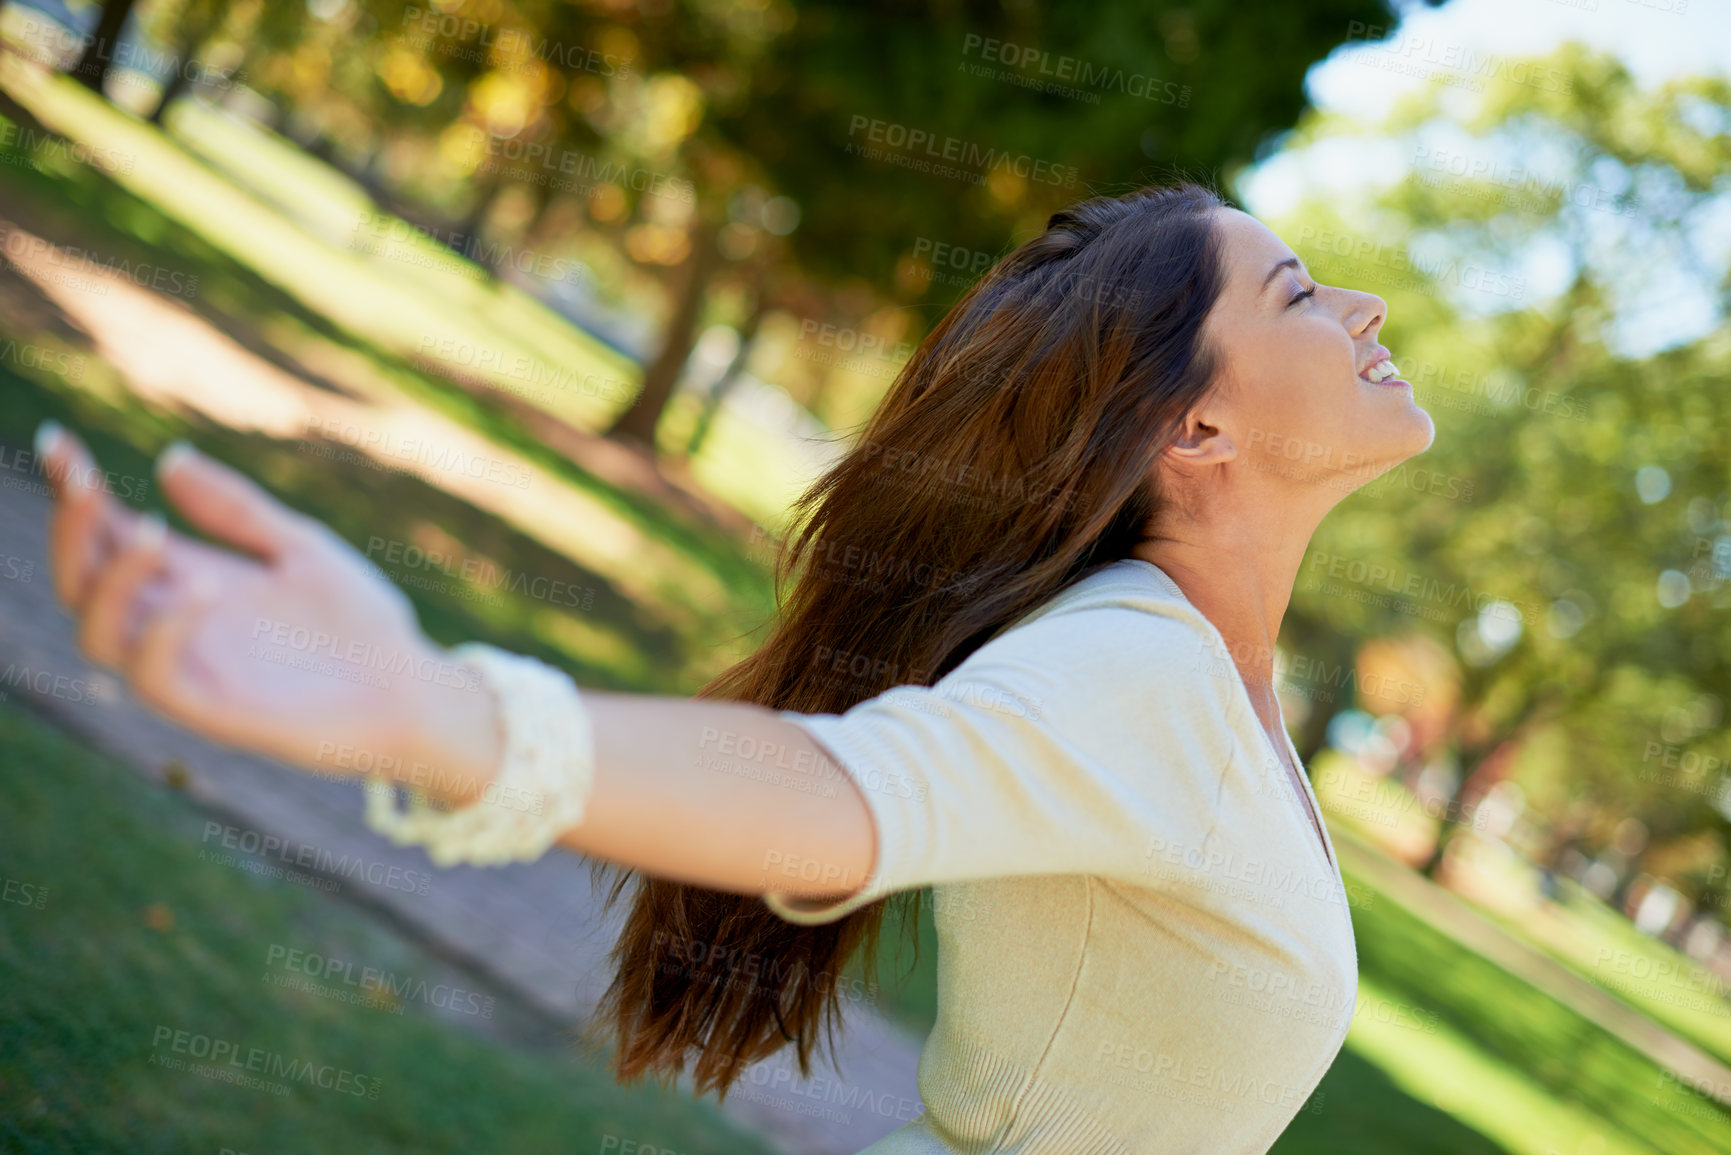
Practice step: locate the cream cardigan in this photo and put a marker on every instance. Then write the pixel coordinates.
(1143, 946)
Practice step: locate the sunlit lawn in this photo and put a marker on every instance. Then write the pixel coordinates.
(1604, 947)
(315, 236)
(1581, 932)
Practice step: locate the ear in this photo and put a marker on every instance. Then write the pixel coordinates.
(1200, 443)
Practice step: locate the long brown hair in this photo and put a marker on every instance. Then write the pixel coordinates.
(1013, 454)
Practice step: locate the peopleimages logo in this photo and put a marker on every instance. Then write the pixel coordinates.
(923, 150)
(1042, 70)
(228, 1063)
(28, 356)
(23, 247)
(48, 684)
(334, 866)
(372, 984)
(25, 143)
(487, 43)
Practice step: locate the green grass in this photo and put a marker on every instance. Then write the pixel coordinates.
(136, 932)
(269, 233)
(86, 981)
(1508, 1057)
(271, 242)
(291, 221)
(1604, 948)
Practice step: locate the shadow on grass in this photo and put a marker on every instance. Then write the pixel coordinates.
(606, 638)
(1358, 1110)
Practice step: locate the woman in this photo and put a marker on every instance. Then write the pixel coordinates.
(1025, 657)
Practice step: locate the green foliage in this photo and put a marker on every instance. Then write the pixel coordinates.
(1143, 90)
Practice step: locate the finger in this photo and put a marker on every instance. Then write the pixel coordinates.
(51, 443)
(102, 629)
(228, 505)
(158, 669)
(82, 527)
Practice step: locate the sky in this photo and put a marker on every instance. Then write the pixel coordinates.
(1656, 40)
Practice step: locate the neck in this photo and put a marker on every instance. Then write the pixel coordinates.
(1239, 571)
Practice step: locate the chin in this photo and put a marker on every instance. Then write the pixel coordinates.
(1423, 431)
(1403, 434)
(1400, 438)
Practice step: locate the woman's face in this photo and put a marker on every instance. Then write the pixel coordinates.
(1295, 357)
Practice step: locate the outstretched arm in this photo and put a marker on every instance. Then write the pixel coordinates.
(291, 645)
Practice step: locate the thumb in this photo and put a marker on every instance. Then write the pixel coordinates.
(226, 504)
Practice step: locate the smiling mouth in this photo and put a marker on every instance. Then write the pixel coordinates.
(1384, 372)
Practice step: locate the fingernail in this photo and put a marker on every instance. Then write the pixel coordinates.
(172, 457)
(152, 531)
(48, 435)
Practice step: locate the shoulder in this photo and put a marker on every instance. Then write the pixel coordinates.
(1119, 646)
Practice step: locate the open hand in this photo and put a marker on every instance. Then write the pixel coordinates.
(292, 647)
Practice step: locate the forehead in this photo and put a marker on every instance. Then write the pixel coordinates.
(1249, 249)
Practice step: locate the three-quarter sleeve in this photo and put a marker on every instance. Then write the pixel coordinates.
(1082, 742)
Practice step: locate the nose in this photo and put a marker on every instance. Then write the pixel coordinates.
(1368, 313)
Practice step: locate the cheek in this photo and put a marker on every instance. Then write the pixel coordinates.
(1301, 390)
(1322, 368)
(1324, 352)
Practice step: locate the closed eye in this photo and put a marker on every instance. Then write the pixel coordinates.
(1310, 292)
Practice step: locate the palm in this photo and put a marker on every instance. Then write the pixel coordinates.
(298, 655)
(294, 649)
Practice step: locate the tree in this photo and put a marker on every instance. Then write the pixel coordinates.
(191, 25)
(775, 92)
(638, 422)
(1149, 89)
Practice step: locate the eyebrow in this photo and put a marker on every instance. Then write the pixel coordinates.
(1288, 263)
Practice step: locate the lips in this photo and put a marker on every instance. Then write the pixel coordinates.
(1380, 372)
(1378, 368)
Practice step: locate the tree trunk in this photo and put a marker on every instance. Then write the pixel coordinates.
(186, 48)
(98, 56)
(637, 424)
(177, 84)
(718, 394)
(1492, 768)
(465, 238)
